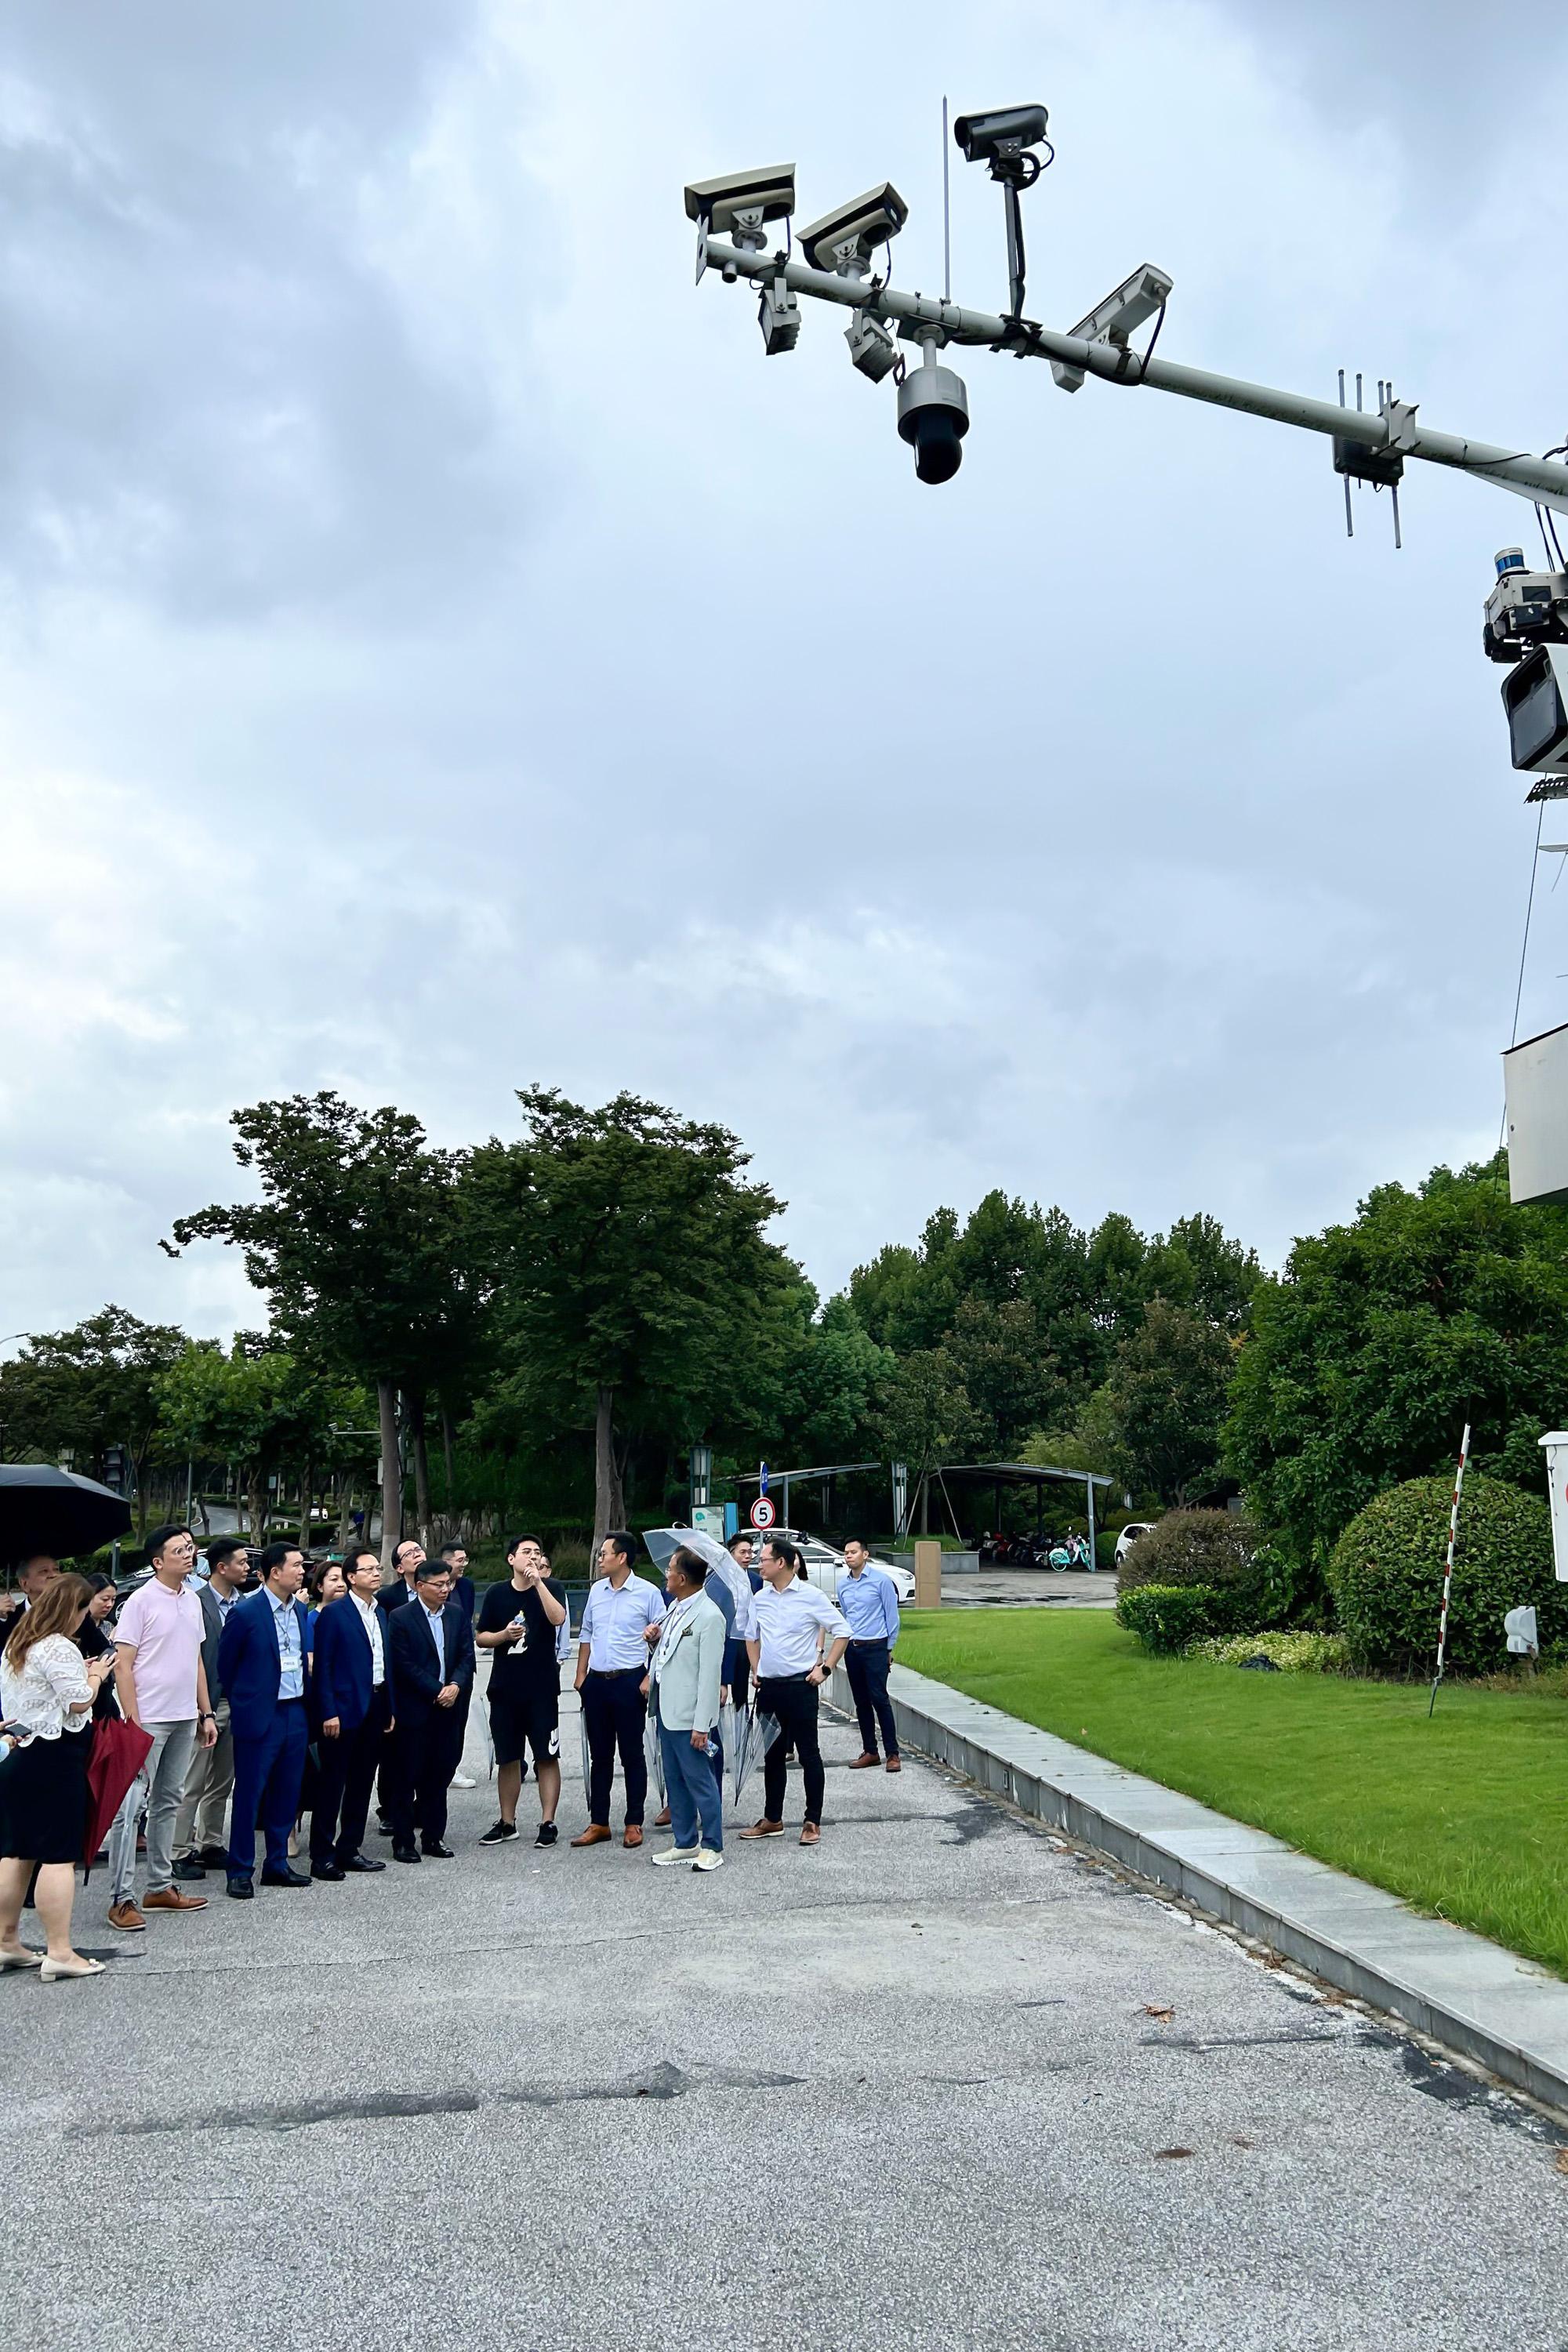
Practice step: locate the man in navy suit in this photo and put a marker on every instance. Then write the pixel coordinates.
(432, 1653)
(261, 1660)
(355, 1708)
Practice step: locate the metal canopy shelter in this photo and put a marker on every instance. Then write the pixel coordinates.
(826, 1471)
(998, 1474)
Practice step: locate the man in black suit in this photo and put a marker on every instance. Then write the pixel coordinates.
(355, 1706)
(406, 1558)
(433, 1668)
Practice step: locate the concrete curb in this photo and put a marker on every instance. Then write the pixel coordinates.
(1506, 2013)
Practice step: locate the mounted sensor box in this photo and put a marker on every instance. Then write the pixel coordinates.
(1535, 696)
(1535, 1090)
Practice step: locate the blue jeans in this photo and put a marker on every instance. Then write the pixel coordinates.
(694, 1793)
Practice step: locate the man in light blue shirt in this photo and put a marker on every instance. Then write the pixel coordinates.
(867, 1599)
(290, 1648)
(612, 1659)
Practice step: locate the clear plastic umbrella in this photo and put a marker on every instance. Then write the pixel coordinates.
(654, 1750)
(754, 1733)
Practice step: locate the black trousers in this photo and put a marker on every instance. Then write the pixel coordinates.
(426, 1750)
(615, 1711)
(737, 1672)
(345, 1770)
(868, 1663)
(793, 1701)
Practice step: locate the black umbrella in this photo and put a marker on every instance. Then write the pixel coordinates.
(43, 1510)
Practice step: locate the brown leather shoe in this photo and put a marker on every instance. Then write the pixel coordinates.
(173, 1899)
(127, 1919)
(632, 1834)
(868, 1762)
(810, 1834)
(593, 1836)
(895, 1764)
(661, 1821)
(763, 1829)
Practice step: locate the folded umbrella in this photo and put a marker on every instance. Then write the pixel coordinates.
(46, 1509)
(754, 1734)
(119, 1751)
(653, 1749)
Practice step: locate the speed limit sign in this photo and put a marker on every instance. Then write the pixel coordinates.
(765, 1512)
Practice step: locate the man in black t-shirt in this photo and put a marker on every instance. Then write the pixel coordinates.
(520, 1624)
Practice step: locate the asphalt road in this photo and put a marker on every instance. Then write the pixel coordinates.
(936, 2083)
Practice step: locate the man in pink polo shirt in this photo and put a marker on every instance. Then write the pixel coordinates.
(162, 1685)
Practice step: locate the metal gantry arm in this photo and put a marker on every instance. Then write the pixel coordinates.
(1393, 429)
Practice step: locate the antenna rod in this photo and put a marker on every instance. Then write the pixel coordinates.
(946, 213)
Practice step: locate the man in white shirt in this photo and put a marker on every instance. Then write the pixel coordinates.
(792, 1617)
(612, 1659)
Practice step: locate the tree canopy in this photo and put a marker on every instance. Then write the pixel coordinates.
(1382, 1336)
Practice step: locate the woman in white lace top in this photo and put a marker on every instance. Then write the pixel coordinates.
(46, 1691)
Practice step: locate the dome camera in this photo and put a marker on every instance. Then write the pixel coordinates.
(933, 418)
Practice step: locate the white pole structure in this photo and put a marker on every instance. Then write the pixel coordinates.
(1449, 1565)
(1538, 479)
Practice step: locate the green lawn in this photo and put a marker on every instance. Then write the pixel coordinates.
(1464, 1815)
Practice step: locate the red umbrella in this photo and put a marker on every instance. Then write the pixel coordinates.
(119, 1751)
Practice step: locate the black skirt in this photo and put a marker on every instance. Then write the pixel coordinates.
(43, 1798)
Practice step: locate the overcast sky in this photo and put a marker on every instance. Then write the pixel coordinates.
(439, 652)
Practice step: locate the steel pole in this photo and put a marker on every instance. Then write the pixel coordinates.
(1515, 469)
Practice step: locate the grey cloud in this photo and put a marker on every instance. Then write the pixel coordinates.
(215, 395)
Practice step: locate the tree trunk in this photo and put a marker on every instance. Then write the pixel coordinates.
(345, 1509)
(391, 1472)
(257, 1512)
(447, 1436)
(421, 1471)
(609, 1502)
(307, 1494)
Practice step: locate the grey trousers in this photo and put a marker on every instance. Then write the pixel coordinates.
(157, 1786)
(201, 1820)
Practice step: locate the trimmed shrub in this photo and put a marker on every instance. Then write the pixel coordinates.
(1293, 1653)
(1386, 1575)
(1218, 1548)
(1166, 1617)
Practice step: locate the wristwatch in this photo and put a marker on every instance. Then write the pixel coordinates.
(207, 1716)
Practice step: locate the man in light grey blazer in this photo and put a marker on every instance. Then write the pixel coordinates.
(683, 1683)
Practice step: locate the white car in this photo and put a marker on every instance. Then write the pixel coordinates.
(1129, 1537)
(824, 1566)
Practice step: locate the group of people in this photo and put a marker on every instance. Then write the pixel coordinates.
(261, 1706)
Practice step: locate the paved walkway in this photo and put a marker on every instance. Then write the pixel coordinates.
(939, 2083)
(1475, 1997)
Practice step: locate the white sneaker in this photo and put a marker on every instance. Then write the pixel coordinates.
(462, 1781)
(708, 1858)
(676, 1853)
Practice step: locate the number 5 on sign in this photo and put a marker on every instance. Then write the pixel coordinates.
(763, 1512)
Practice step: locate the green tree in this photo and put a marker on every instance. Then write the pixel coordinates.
(1165, 1401)
(361, 1244)
(86, 1389)
(258, 1408)
(1384, 1335)
(829, 1375)
(926, 1414)
(635, 1288)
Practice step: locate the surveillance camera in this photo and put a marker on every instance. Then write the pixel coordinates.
(1535, 696)
(742, 202)
(778, 315)
(1006, 132)
(871, 347)
(845, 240)
(933, 416)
